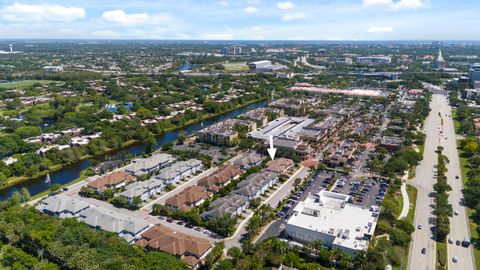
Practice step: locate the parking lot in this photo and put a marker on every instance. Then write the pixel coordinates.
(313, 185)
(364, 192)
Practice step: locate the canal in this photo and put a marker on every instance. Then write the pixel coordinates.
(72, 172)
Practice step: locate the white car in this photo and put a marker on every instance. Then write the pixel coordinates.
(454, 259)
(456, 213)
(420, 226)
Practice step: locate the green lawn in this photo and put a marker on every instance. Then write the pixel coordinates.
(442, 256)
(236, 66)
(412, 195)
(21, 84)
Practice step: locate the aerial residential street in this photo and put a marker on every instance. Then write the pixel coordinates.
(438, 135)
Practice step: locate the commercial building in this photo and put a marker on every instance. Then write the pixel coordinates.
(391, 143)
(191, 250)
(112, 181)
(217, 134)
(256, 184)
(285, 127)
(151, 164)
(179, 171)
(231, 205)
(264, 66)
(261, 115)
(374, 60)
(291, 106)
(293, 149)
(474, 73)
(472, 94)
(188, 198)
(356, 92)
(52, 68)
(328, 217)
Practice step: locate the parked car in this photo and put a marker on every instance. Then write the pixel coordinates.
(169, 220)
(454, 259)
(457, 242)
(450, 241)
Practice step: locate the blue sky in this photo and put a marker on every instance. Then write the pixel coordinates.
(242, 19)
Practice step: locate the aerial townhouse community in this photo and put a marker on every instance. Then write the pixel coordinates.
(147, 202)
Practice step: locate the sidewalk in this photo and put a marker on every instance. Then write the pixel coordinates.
(406, 200)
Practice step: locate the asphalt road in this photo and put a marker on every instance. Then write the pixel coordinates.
(439, 135)
(459, 229)
(424, 181)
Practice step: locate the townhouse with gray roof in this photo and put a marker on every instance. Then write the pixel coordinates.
(151, 164)
(105, 219)
(256, 184)
(142, 189)
(232, 205)
(62, 206)
(179, 171)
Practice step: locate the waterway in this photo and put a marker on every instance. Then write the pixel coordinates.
(72, 172)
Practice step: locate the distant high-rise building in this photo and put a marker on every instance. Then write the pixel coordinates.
(234, 49)
(237, 49)
(474, 73)
(440, 62)
(11, 48)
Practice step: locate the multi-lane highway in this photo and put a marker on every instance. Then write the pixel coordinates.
(424, 181)
(440, 132)
(459, 229)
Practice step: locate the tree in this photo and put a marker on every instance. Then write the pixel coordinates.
(55, 187)
(25, 194)
(137, 201)
(471, 148)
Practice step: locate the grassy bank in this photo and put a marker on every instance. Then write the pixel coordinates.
(464, 167)
(442, 259)
(15, 180)
(412, 195)
(473, 226)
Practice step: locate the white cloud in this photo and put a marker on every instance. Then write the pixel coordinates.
(377, 2)
(251, 10)
(408, 4)
(285, 5)
(120, 17)
(293, 16)
(396, 5)
(54, 13)
(380, 29)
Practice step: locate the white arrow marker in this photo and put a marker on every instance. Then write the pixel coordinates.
(271, 150)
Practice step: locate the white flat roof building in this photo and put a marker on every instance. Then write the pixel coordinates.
(285, 127)
(329, 217)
